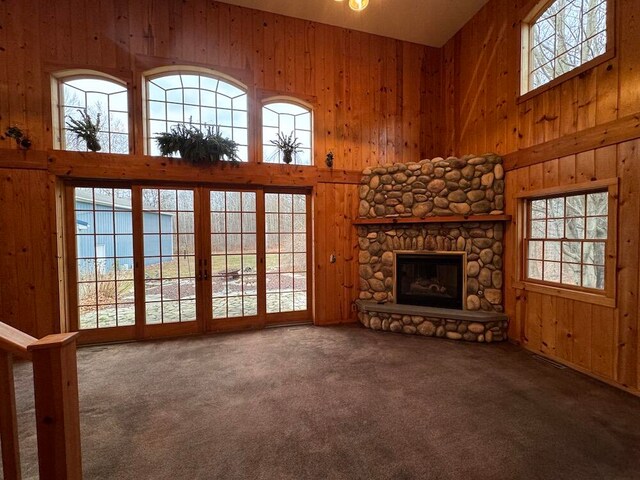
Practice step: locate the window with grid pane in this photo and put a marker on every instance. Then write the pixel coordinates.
(286, 251)
(565, 35)
(286, 118)
(200, 100)
(104, 257)
(234, 272)
(566, 239)
(95, 97)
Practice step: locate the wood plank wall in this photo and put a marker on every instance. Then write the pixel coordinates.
(481, 75)
(373, 100)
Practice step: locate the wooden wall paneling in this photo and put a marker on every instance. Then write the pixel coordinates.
(33, 103)
(410, 123)
(280, 63)
(269, 58)
(539, 105)
(22, 206)
(533, 324)
(548, 324)
(106, 35)
(585, 166)
(339, 88)
(377, 134)
(567, 170)
(212, 41)
(509, 267)
(550, 173)
(340, 233)
(607, 91)
(80, 30)
(581, 353)
(8, 254)
(448, 94)
(586, 112)
(629, 57)
(628, 260)
(603, 341)
(123, 51)
(320, 244)
(288, 58)
(356, 97)
(551, 114)
(564, 329)
(606, 162)
(568, 107)
(4, 64)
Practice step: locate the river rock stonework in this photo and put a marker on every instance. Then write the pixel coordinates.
(482, 242)
(464, 187)
(469, 331)
(470, 185)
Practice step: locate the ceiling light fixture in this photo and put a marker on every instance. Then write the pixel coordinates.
(357, 5)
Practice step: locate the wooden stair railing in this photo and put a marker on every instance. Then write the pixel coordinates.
(55, 378)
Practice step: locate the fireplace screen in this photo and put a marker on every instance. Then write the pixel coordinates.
(434, 280)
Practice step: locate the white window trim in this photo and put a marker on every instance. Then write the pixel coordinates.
(294, 101)
(57, 78)
(188, 69)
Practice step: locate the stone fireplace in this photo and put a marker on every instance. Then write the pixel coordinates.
(430, 235)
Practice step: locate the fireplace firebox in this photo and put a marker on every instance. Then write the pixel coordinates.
(430, 279)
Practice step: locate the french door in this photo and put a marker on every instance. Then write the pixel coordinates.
(160, 260)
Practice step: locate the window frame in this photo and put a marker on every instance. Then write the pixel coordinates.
(58, 78)
(606, 296)
(293, 101)
(528, 19)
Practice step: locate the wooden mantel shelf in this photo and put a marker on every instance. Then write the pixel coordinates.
(438, 219)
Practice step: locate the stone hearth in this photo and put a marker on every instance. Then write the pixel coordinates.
(408, 200)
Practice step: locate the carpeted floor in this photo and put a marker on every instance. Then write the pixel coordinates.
(340, 403)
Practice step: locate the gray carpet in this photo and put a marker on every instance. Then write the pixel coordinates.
(334, 403)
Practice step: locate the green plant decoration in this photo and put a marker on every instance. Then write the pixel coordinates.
(85, 129)
(196, 145)
(288, 145)
(22, 141)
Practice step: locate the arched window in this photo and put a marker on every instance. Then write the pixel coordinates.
(92, 95)
(286, 118)
(561, 36)
(199, 99)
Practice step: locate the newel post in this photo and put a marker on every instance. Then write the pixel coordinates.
(8, 420)
(55, 378)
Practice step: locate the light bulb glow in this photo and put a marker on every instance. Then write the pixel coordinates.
(358, 5)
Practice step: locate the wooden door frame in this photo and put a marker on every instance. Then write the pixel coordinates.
(302, 316)
(202, 230)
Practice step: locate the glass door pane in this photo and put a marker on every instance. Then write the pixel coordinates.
(169, 251)
(104, 257)
(234, 272)
(286, 252)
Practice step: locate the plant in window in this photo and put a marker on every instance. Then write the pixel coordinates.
(196, 145)
(288, 145)
(17, 134)
(86, 129)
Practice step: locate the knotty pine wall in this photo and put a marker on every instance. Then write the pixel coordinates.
(481, 75)
(373, 98)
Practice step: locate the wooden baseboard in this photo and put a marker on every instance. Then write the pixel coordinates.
(582, 370)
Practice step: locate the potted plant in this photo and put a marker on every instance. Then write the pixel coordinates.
(288, 145)
(85, 129)
(196, 145)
